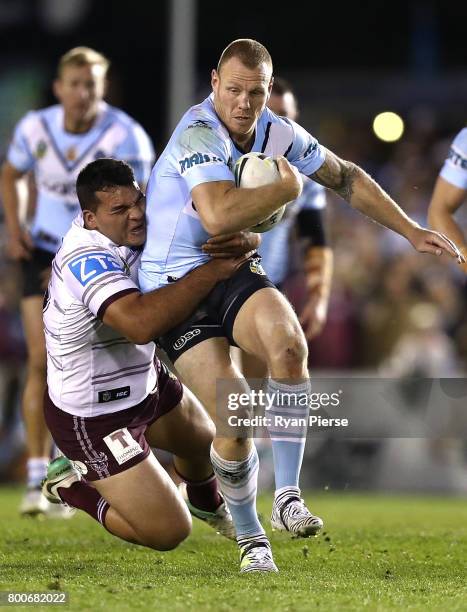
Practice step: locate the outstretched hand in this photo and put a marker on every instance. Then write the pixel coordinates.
(428, 241)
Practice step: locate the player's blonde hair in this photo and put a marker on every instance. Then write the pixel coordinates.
(250, 52)
(82, 56)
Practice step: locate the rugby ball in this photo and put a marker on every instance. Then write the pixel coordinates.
(255, 170)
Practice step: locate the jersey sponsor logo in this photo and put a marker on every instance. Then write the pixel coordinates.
(311, 147)
(113, 395)
(122, 445)
(99, 463)
(180, 343)
(457, 159)
(63, 189)
(86, 268)
(197, 159)
(256, 267)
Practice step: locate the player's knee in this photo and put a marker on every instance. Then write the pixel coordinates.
(288, 350)
(169, 536)
(206, 433)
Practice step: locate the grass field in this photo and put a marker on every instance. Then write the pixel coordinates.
(377, 553)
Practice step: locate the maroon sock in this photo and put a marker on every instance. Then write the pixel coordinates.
(85, 497)
(203, 494)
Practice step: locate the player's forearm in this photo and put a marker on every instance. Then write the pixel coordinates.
(366, 196)
(153, 314)
(10, 202)
(241, 208)
(318, 267)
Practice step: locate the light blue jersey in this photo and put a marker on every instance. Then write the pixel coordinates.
(455, 167)
(41, 144)
(201, 151)
(275, 248)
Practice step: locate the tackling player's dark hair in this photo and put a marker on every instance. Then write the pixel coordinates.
(250, 52)
(102, 175)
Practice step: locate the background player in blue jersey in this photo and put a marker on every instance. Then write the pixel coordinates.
(451, 192)
(55, 143)
(191, 195)
(300, 235)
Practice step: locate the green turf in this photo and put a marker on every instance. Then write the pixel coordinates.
(377, 553)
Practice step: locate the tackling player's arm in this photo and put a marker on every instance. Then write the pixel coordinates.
(365, 195)
(224, 208)
(318, 268)
(142, 317)
(19, 243)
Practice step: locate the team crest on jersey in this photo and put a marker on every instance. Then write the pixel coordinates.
(41, 149)
(71, 154)
(89, 266)
(256, 267)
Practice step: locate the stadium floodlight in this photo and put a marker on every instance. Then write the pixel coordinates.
(388, 126)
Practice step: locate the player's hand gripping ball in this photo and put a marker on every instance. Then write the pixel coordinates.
(255, 170)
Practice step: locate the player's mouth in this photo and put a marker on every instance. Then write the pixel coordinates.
(138, 230)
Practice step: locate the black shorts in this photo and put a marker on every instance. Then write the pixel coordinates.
(32, 269)
(215, 316)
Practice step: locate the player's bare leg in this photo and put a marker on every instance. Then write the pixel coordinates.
(187, 432)
(235, 460)
(38, 438)
(267, 328)
(141, 504)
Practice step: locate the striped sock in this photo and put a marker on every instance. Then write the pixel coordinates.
(238, 481)
(85, 497)
(288, 442)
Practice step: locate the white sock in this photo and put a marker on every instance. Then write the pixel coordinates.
(36, 471)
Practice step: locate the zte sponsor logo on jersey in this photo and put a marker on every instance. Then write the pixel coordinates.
(196, 159)
(87, 267)
(180, 343)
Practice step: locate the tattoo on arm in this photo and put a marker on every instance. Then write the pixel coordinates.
(338, 175)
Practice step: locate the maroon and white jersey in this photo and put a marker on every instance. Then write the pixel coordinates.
(92, 369)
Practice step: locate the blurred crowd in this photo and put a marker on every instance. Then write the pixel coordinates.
(392, 310)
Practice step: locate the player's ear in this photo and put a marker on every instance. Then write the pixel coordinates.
(90, 220)
(271, 83)
(56, 88)
(214, 78)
